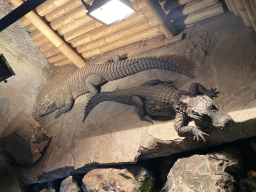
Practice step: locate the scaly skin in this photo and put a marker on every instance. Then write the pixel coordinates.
(86, 80)
(157, 98)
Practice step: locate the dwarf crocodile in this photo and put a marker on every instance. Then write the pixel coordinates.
(158, 98)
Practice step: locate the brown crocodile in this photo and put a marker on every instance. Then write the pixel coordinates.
(157, 98)
(88, 78)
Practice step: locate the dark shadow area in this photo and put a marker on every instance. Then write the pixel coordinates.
(176, 17)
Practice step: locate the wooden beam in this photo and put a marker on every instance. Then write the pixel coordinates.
(161, 17)
(38, 22)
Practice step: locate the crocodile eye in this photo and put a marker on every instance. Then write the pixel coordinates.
(213, 108)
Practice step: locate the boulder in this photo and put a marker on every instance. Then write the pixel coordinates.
(216, 171)
(48, 190)
(25, 139)
(69, 185)
(112, 179)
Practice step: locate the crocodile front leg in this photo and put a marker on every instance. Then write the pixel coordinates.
(198, 89)
(67, 107)
(184, 130)
(92, 81)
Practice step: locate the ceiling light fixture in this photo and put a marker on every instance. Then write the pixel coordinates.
(109, 11)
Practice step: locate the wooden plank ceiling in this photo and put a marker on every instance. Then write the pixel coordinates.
(89, 37)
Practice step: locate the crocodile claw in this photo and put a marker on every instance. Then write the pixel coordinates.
(212, 93)
(57, 114)
(198, 134)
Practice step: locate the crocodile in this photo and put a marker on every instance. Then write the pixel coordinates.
(157, 98)
(89, 78)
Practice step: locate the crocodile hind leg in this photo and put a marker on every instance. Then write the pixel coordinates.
(137, 101)
(92, 81)
(198, 89)
(181, 127)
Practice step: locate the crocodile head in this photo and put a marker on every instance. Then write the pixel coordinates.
(204, 110)
(52, 101)
(48, 105)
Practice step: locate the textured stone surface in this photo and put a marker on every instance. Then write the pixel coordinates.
(211, 172)
(48, 190)
(114, 179)
(223, 51)
(31, 69)
(69, 185)
(25, 139)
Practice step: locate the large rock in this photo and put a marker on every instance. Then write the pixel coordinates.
(223, 51)
(69, 185)
(111, 179)
(25, 139)
(212, 172)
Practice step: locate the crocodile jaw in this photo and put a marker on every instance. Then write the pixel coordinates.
(205, 111)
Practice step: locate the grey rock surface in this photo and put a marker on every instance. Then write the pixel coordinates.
(211, 172)
(69, 185)
(48, 190)
(113, 133)
(111, 179)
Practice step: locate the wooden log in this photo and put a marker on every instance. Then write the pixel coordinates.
(139, 4)
(169, 5)
(234, 8)
(51, 52)
(37, 21)
(254, 25)
(12, 6)
(40, 41)
(243, 13)
(7, 2)
(229, 5)
(63, 62)
(45, 47)
(198, 16)
(62, 10)
(161, 17)
(138, 48)
(69, 18)
(24, 22)
(106, 30)
(253, 6)
(82, 30)
(126, 41)
(191, 7)
(49, 5)
(250, 13)
(74, 25)
(31, 28)
(35, 35)
(249, 10)
(125, 33)
(57, 58)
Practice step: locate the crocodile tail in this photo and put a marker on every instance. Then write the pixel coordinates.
(95, 100)
(128, 67)
(119, 96)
